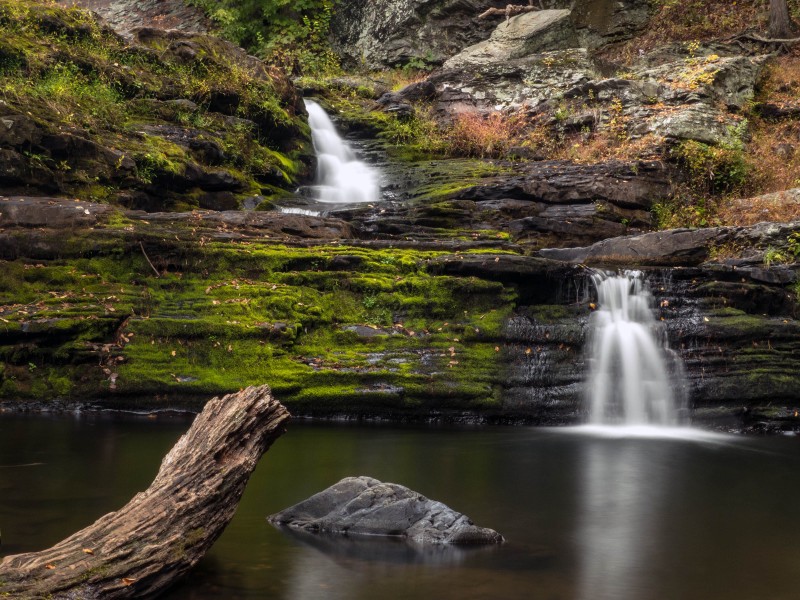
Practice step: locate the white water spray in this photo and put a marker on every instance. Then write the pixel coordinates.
(629, 378)
(341, 177)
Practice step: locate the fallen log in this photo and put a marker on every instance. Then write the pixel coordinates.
(145, 547)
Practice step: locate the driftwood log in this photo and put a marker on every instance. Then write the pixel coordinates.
(162, 532)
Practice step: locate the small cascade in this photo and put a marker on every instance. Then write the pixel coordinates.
(634, 379)
(341, 177)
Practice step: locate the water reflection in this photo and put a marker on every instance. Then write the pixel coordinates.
(620, 513)
(352, 551)
(585, 517)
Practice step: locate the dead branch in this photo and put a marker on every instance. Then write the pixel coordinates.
(757, 38)
(143, 548)
(149, 262)
(509, 11)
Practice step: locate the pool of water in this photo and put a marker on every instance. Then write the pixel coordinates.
(587, 515)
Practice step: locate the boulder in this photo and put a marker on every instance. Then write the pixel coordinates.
(520, 36)
(365, 506)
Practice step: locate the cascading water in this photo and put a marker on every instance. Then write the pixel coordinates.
(341, 177)
(633, 378)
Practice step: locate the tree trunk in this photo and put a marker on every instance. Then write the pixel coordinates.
(780, 24)
(162, 532)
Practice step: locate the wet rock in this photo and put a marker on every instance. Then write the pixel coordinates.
(364, 506)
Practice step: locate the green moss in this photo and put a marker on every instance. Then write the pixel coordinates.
(231, 315)
(67, 73)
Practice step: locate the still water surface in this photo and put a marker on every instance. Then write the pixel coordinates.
(586, 517)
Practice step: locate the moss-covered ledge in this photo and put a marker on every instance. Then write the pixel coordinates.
(100, 305)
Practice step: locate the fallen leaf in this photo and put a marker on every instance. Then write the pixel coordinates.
(128, 580)
(50, 567)
(88, 551)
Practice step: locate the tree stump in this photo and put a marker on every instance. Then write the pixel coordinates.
(143, 548)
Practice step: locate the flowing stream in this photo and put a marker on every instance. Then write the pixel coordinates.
(633, 379)
(341, 177)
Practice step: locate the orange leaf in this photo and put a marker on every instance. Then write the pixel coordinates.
(88, 551)
(50, 567)
(128, 580)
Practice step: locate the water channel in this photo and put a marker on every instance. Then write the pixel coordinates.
(586, 517)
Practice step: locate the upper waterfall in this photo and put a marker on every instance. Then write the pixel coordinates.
(341, 177)
(632, 375)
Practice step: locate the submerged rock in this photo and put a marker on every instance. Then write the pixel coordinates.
(366, 506)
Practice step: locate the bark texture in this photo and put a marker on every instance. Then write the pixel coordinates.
(780, 24)
(162, 532)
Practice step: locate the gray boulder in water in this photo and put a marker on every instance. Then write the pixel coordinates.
(366, 506)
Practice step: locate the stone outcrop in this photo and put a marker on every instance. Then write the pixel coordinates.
(690, 98)
(680, 247)
(124, 16)
(363, 506)
(396, 32)
(520, 36)
(538, 204)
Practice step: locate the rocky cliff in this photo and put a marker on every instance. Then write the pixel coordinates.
(390, 33)
(524, 161)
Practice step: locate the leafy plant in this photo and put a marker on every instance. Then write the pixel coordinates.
(292, 34)
(716, 169)
(774, 255)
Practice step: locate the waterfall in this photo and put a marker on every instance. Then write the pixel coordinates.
(341, 177)
(630, 369)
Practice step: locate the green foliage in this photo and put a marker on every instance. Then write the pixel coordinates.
(716, 169)
(774, 255)
(67, 73)
(291, 33)
(789, 254)
(685, 210)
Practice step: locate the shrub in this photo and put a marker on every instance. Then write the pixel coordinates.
(293, 35)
